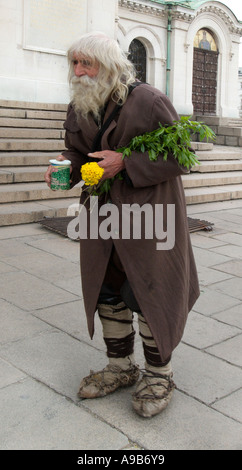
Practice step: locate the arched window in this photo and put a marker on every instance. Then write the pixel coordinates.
(137, 55)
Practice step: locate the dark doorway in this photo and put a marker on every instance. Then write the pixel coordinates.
(137, 55)
(204, 88)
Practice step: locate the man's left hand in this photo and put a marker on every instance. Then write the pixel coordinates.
(111, 161)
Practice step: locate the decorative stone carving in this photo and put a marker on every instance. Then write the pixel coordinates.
(232, 26)
(143, 8)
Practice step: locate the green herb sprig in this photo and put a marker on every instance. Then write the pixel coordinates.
(175, 139)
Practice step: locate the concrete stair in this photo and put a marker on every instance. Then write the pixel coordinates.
(32, 133)
(228, 130)
(217, 178)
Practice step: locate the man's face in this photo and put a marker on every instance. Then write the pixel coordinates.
(84, 66)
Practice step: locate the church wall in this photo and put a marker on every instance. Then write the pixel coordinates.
(33, 44)
(181, 76)
(34, 37)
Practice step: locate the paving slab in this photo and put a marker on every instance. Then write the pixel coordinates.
(201, 241)
(184, 424)
(36, 418)
(71, 319)
(30, 292)
(212, 301)
(202, 331)
(9, 375)
(11, 248)
(5, 268)
(230, 350)
(231, 405)
(229, 250)
(230, 237)
(231, 267)
(17, 324)
(203, 376)
(208, 276)
(59, 246)
(56, 359)
(208, 258)
(231, 316)
(44, 265)
(232, 287)
(45, 349)
(19, 231)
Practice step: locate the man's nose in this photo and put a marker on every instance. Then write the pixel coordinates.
(79, 70)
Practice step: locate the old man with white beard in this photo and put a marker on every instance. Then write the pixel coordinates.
(124, 275)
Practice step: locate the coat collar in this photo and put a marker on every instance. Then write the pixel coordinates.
(89, 127)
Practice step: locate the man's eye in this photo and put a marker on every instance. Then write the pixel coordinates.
(86, 63)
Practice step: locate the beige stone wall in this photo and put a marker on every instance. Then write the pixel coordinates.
(34, 37)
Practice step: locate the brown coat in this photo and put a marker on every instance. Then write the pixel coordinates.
(164, 282)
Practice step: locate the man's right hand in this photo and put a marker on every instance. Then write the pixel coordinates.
(50, 168)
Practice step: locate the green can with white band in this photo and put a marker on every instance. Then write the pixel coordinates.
(60, 175)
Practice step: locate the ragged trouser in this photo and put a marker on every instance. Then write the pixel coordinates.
(115, 298)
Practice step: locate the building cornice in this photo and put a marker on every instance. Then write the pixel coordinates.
(147, 7)
(182, 13)
(143, 7)
(233, 27)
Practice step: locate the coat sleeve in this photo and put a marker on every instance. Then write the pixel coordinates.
(77, 160)
(71, 153)
(140, 169)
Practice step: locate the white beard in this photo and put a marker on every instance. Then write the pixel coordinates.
(88, 96)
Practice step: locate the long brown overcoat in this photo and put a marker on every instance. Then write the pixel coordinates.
(164, 282)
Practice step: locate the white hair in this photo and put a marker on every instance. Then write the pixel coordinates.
(115, 73)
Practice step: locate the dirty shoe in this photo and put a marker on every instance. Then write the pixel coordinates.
(153, 393)
(100, 384)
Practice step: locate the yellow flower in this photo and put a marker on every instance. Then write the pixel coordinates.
(91, 173)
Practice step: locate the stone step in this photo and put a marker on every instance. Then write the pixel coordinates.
(220, 152)
(16, 133)
(229, 131)
(212, 194)
(32, 105)
(29, 174)
(32, 114)
(202, 146)
(22, 174)
(14, 159)
(32, 123)
(194, 180)
(28, 145)
(211, 120)
(218, 165)
(29, 212)
(20, 192)
(219, 121)
(235, 122)
(33, 211)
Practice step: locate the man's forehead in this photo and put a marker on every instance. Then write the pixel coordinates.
(81, 56)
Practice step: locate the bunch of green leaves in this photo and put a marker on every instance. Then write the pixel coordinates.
(174, 139)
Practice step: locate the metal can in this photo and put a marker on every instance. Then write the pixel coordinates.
(60, 175)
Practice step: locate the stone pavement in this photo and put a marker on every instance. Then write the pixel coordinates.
(45, 349)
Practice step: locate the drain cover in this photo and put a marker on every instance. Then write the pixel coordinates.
(59, 224)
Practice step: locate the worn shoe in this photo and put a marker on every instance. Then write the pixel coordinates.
(152, 394)
(100, 384)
